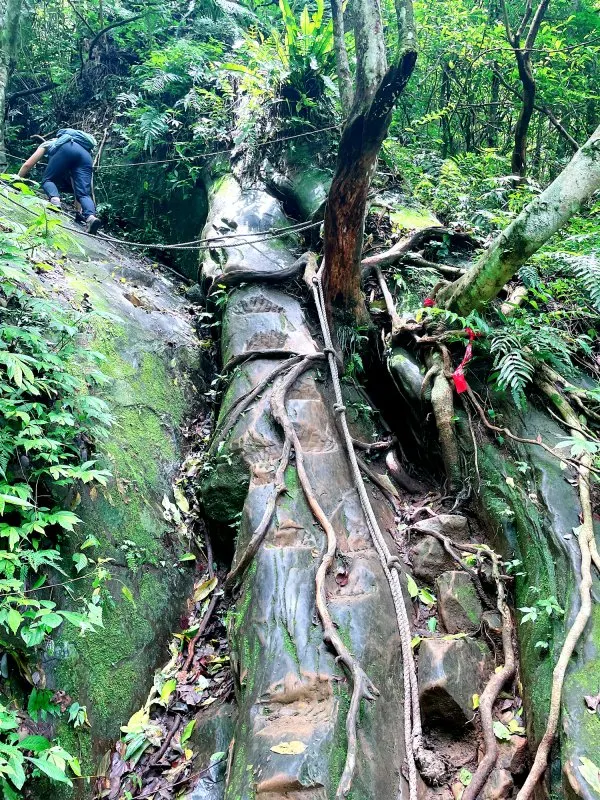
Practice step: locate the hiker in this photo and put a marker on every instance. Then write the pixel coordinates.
(69, 159)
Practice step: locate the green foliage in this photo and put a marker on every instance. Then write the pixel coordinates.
(49, 420)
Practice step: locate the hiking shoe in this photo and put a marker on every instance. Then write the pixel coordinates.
(92, 224)
(55, 201)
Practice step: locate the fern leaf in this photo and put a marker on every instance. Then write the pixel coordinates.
(587, 271)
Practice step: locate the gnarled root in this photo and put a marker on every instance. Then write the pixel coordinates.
(491, 692)
(443, 409)
(362, 687)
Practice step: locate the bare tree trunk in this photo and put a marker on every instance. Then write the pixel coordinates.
(341, 54)
(528, 232)
(377, 90)
(445, 90)
(9, 24)
(518, 161)
(492, 120)
(523, 57)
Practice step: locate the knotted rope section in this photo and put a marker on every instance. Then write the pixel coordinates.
(389, 563)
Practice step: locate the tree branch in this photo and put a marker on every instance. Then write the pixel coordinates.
(26, 92)
(341, 54)
(117, 24)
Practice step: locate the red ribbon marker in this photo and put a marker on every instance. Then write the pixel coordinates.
(429, 302)
(458, 376)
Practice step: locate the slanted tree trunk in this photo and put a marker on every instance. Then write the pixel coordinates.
(9, 24)
(528, 232)
(377, 90)
(523, 57)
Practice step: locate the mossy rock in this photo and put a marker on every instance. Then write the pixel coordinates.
(142, 328)
(533, 509)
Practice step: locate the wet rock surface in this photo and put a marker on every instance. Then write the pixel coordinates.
(450, 673)
(499, 785)
(151, 360)
(429, 559)
(459, 606)
(288, 685)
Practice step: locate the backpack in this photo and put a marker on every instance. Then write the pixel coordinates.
(65, 135)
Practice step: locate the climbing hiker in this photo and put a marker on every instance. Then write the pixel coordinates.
(69, 160)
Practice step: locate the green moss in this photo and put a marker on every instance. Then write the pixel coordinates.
(289, 645)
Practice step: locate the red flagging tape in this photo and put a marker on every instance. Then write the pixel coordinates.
(458, 376)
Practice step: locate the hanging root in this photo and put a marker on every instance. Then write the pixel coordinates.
(491, 692)
(362, 687)
(585, 538)
(294, 369)
(430, 765)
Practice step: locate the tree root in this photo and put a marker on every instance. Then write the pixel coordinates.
(241, 405)
(572, 462)
(413, 242)
(277, 398)
(491, 692)
(442, 401)
(452, 549)
(585, 537)
(401, 476)
(362, 687)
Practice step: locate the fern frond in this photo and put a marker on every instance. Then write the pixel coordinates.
(530, 277)
(159, 81)
(587, 271)
(514, 373)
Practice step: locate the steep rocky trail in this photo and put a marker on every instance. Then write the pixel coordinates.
(256, 699)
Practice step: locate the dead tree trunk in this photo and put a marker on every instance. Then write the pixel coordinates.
(377, 90)
(9, 24)
(523, 57)
(528, 232)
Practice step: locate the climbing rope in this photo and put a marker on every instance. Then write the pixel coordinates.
(222, 241)
(126, 164)
(389, 563)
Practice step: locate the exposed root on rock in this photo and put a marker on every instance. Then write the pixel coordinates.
(442, 401)
(362, 687)
(277, 399)
(585, 538)
(492, 690)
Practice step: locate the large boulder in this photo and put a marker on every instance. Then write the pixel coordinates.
(135, 317)
(451, 671)
(458, 604)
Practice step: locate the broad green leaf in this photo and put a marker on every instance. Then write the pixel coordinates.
(14, 619)
(501, 731)
(167, 690)
(187, 731)
(35, 743)
(412, 587)
(50, 769)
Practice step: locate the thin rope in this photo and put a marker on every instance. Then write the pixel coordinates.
(125, 164)
(389, 563)
(221, 241)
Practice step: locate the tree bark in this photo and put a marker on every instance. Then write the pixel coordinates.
(9, 25)
(341, 54)
(377, 90)
(528, 232)
(523, 57)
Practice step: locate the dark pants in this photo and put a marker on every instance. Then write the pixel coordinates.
(73, 163)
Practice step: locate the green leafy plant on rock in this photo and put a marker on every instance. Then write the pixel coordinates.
(49, 424)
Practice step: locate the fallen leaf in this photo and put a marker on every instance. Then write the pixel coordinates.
(204, 589)
(475, 701)
(510, 482)
(590, 773)
(289, 748)
(592, 702)
(501, 731)
(181, 499)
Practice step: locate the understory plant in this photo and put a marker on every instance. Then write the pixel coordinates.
(50, 422)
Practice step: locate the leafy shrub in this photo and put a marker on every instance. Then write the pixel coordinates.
(49, 421)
